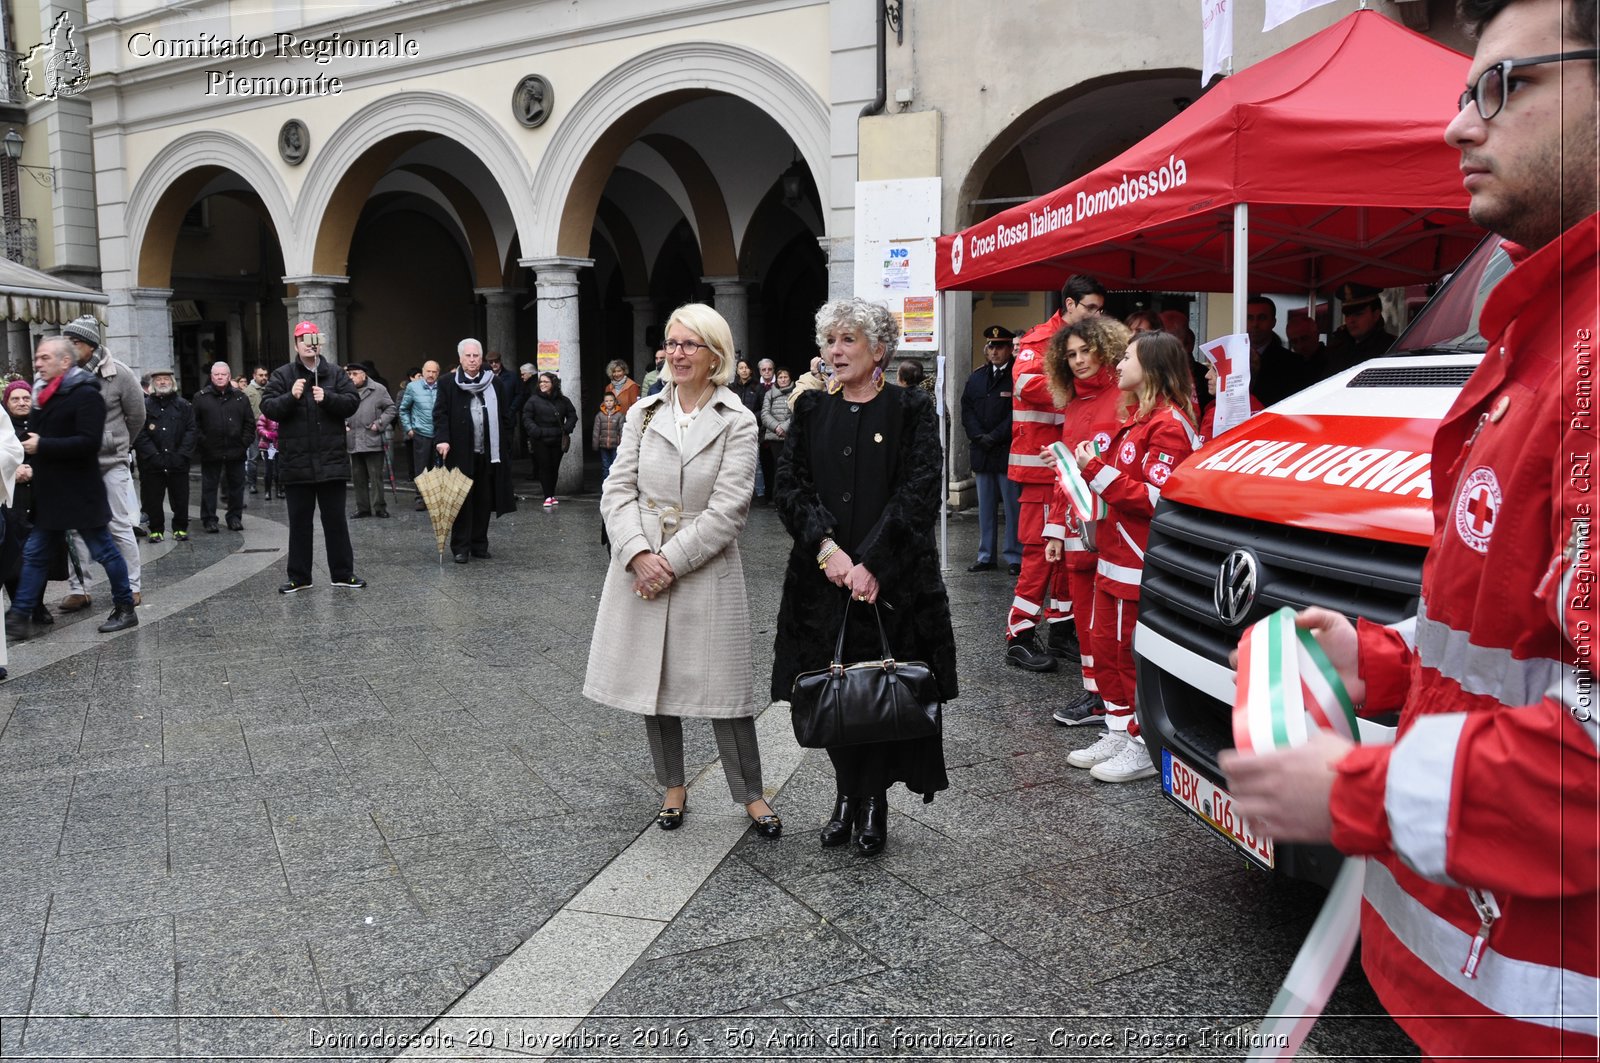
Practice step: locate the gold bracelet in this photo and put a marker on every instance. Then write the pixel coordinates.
(827, 552)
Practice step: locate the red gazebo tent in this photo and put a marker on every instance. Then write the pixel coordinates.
(1327, 160)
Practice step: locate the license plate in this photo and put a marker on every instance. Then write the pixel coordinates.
(1214, 806)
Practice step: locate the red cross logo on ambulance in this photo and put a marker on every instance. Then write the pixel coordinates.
(1477, 507)
(1128, 452)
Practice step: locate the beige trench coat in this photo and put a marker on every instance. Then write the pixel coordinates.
(685, 652)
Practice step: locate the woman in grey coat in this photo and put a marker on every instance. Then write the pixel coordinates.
(672, 638)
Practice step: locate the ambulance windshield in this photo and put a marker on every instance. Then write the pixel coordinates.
(1449, 322)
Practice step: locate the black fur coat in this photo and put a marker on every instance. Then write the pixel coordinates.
(897, 546)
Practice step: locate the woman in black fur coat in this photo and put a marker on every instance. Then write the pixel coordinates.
(858, 488)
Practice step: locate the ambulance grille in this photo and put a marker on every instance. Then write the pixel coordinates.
(1297, 567)
(1400, 376)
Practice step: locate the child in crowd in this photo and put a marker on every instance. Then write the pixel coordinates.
(608, 432)
(267, 443)
(1080, 366)
(1158, 433)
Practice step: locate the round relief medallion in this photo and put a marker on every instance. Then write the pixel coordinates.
(294, 142)
(533, 100)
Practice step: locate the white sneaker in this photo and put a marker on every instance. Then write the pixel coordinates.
(1131, 762)
(1110, 745)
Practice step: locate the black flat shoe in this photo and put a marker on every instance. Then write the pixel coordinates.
(670, 818)
(837, 830)
(874, 825)
(461, 558)
(768, 826)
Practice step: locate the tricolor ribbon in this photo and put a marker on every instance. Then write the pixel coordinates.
(1288, 687)
(1087, 504)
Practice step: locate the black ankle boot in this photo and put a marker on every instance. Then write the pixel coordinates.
(122, 617)
(873, 823)
(19, 628)
(837, 831)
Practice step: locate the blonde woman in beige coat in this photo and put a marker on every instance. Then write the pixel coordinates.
(672, 638)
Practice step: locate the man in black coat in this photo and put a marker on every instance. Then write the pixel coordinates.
(165, 447)
(472, 432)
(227, 426)
(310, 398)
(986, 417)
(63, 448)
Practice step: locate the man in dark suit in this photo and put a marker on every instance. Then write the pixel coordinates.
(986, 417)
(68, 421)
(472, 432)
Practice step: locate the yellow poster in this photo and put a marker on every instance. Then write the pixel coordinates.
(916, 326)
(549, 358)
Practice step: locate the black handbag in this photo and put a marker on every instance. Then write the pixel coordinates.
(870, 701)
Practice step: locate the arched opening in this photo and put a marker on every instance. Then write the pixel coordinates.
(695, 196)
(211, 239)
(1052, 143)
(419, 226)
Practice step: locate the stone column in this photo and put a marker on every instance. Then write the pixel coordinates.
(236, 357)
(314, 300)
(731, 297)
(556, 286)
(500, 323)
(152, 331)
(644, 315)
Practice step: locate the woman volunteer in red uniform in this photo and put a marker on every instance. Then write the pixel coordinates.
(1159, 433)
(1081, 368)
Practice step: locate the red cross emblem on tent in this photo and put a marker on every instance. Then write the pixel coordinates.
(1477, 508)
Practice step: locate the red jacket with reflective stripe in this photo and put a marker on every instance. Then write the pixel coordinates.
(1141, 456)
(1095, 412)
(1035, 420)
(1493, 782)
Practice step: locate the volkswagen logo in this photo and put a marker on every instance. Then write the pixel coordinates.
(1235, 589)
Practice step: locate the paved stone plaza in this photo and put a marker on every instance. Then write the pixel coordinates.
(308, 826)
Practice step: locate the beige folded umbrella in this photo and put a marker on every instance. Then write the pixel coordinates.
(443, 491)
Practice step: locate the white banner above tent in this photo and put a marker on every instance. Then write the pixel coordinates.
(1281, 11)
(1216, 31)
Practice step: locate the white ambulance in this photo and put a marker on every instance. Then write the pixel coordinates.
(1323, 500)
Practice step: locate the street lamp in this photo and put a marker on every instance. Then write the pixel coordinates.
(792, 182)
(12, 144)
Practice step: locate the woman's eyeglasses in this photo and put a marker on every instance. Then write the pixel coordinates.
(688, 347)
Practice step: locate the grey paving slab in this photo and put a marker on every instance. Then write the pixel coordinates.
(123, 969)
(736, 903)
(426, 993)
(104, 820)
(728, 977)
(887, 917)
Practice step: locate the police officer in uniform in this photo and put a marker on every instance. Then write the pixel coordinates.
(986, 417)
(1362, 335)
